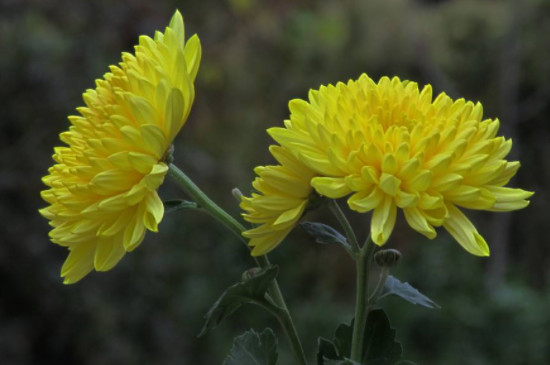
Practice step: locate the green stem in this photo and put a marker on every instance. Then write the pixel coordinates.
(205, 203)
(350, 234)
(362, 267)
(285, 320)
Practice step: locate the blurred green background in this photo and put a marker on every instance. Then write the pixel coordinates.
(257, 55)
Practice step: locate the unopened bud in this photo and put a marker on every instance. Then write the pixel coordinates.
(387, 258)
(237, 194)
(250, 273)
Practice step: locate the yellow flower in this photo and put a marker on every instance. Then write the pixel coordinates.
(103, 187)
(284, 193)
(390, 146)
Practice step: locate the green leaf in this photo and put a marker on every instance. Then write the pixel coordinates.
(171, 206)
(337, 349)
(342, 362)
(326, 351)
(405, 362)
(324, 234)
(252, 348)
(343, 338)
(379, 345)
(250, 290)
(394, 286)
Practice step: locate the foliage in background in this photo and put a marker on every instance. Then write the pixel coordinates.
(257, 56)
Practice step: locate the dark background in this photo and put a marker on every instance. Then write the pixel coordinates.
(257, 55)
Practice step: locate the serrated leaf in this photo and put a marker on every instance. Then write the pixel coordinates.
(324, 234)
(394, 286)
(247, 291)
(337, 349)
(326, 351)
(253, 348)
(343, 338)
(174, 205)
(379, 345)
(342, 362)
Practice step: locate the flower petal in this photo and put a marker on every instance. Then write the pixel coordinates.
(383, 221)
(465, 233)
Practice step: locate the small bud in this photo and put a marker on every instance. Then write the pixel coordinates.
(250, 273)
(237, 194)
(387, 258)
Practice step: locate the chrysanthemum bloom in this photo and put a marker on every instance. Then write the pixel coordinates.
(103, 187)
(389, 146)
(284, 194)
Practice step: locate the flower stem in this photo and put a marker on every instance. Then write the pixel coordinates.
(205, 203)
(362, 268)
(350, 234)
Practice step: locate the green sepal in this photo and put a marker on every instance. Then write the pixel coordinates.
(174, 205)
(253, 348)
(249, 290)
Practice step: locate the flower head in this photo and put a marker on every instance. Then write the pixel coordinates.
(284, 192)
(103, 187)
(389, 145)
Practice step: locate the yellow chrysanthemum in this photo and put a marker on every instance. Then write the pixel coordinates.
(103, 187)
(284, 192)
(390, 146)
